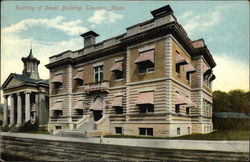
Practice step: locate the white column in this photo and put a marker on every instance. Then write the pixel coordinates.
(5, 111)
(27, 106)
(19, 109)
(12, 115)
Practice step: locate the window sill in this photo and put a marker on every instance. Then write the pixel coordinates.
(146, 113)
(146, 73)
(117, 80)
(178, 74)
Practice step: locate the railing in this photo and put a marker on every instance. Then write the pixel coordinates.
(58, 118)
(100, 86)
(103, 123)
(81, 121)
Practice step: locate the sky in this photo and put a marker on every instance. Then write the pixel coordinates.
(54, 27)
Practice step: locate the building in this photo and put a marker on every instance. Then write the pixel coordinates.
(152, 80)
(26, 95)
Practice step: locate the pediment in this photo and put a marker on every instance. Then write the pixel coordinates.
(11, 81)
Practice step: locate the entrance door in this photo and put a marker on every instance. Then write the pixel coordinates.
(97, 114)
(97, 108)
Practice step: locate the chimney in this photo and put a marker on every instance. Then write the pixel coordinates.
(89, 38)
(165, 10)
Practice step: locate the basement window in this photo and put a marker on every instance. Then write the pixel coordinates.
(58, 127)
(146, 131)
(118, 130)
(178, 131)
(188, 130)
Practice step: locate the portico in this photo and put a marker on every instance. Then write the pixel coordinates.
(21, 104)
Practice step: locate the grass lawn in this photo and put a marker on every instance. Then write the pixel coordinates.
(216, 135)
(219, 135)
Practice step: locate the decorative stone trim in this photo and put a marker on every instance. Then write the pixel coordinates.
(119, 59)
(80, 69)
(58, 72)
(168, 52)
(146, 89)
(147, 48)
(98, 64)
(118, 94)
(69, 86)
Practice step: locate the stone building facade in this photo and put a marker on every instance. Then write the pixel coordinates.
(152, 80)
(26, 96)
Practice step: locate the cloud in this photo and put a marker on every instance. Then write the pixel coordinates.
(194, 22)
(230, 74)
(59, 23)
(199, 22)
(93, 26)
(103, 16)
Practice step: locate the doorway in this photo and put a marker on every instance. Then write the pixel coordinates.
(97, 114)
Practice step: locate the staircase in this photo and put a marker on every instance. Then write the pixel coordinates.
(86, 127)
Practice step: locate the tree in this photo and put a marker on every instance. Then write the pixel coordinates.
(233, 101)
(221, 102)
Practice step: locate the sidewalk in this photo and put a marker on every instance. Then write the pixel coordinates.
(230, 146)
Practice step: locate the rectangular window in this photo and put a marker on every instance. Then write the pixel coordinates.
(118, 75)
(177, 108)
(79, 111)
(188, 130)
(177, 69)
(57, 113)
(119, 110)
(143, 68)
(146, 131)
(118, 130)
(79, 82)
(188, 76)
(98, 73)
(178, 131)
(146, 108)
(58, 85)
(187, 110)
(58, 127)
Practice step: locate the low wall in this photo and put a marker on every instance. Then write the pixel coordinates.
(26, 149)
(229, 146)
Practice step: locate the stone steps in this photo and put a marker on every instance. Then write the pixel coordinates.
(41, 150)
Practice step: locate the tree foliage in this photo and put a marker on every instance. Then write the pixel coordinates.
(232, 101)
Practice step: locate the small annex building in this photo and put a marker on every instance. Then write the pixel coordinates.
(26, 96)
